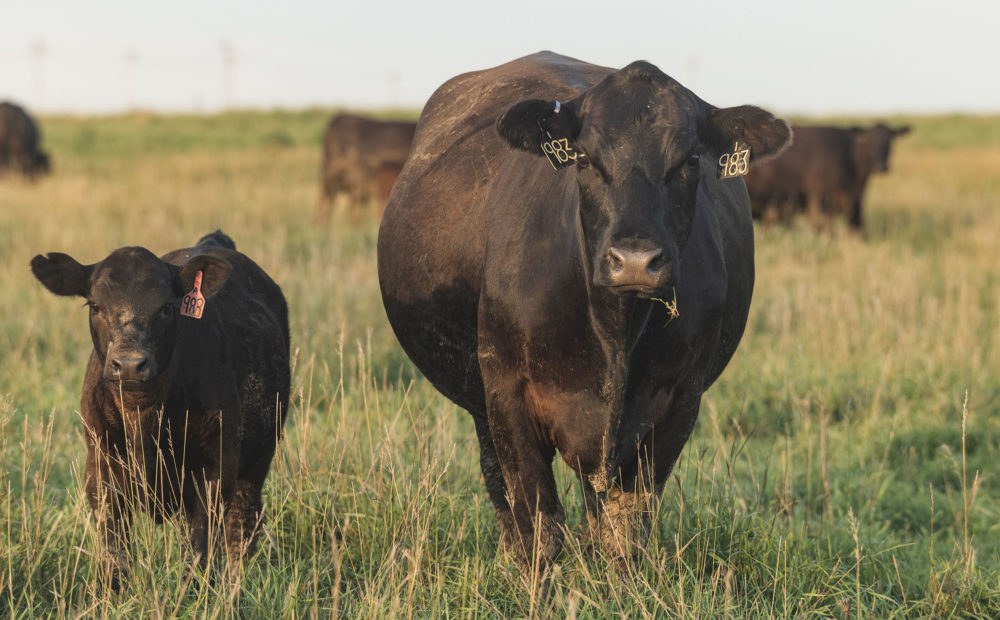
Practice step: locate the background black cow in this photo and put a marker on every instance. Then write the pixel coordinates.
(361, 159)
(585, 309)
(823, 173)
(180, 412)
(20, 142)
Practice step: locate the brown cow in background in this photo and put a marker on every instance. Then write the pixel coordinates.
(823, 173)
(361, 159)
(19, 142)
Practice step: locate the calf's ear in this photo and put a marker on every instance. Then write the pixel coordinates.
(61, 274)
(214, 273)
(532, 121)
(766, 134)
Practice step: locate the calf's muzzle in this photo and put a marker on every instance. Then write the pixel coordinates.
(130, 367)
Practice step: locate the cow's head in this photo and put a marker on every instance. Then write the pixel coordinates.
(872, 146)
(134, 300)
(40, 165)
(641, 143)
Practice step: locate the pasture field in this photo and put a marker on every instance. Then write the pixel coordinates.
(845, 465)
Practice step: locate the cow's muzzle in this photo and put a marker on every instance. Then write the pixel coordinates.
(644, 272)
(132, 369)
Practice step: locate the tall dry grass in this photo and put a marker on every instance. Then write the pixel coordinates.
(844, 465)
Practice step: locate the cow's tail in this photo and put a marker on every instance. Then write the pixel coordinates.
(217, 239)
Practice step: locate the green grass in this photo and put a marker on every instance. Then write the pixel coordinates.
(841, 467)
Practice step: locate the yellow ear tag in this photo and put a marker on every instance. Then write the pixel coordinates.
(735, 164)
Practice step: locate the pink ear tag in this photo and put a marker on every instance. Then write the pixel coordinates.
(193, 303)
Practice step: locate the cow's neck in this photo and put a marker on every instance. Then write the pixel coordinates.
(617, 322)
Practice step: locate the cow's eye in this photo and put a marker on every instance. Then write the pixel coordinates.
(682, 169)
(692, 163)
(94, 308)
(582, 161)
(166, 310)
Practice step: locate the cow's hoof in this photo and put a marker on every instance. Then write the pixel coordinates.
(624, 524)
(532, 550)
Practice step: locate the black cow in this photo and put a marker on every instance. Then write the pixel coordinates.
(361, 159)
(583, 310)
(823, 173)
(20, 143)
(179, 412)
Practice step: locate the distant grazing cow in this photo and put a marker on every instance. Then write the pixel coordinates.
(180, 412)
(19, 143)
(361, 159)
(823, 173)
(584, 309)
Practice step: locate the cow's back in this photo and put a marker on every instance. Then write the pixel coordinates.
(353, 135)
(245, 324)
(455, 158)
(19, 137)
(434, 221)
(818, 162)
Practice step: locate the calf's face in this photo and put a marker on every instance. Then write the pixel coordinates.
(638, 140)
(134, 303)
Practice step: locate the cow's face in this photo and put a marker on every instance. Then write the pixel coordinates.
(134, 305)
(41, 164)
(872, 147)
(641, 144)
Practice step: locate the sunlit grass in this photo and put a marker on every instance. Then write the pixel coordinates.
(833, 471)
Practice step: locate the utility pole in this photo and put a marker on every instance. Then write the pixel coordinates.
(38, 72)
(131, 67)
(392, 88)
(228, 74)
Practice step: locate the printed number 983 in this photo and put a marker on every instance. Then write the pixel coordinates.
(734, 164)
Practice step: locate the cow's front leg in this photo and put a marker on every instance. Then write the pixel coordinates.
(110, 493)
(531, 529)
(244, 515)
(200, 496)
(626, 510)
(618, 520)
(622, 519)
(204, 495)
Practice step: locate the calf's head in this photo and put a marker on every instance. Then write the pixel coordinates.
(134, 303)
(638, 143)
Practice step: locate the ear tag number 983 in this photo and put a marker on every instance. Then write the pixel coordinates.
(735, 164)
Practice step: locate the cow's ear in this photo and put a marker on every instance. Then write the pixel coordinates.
(531, 122)
(214, 273)
(766, 134)
(61, 274)
(901, 131)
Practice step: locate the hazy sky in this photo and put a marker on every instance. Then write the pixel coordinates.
(794, 56)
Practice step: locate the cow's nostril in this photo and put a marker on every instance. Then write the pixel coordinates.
(616, 262)
(656, 262)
